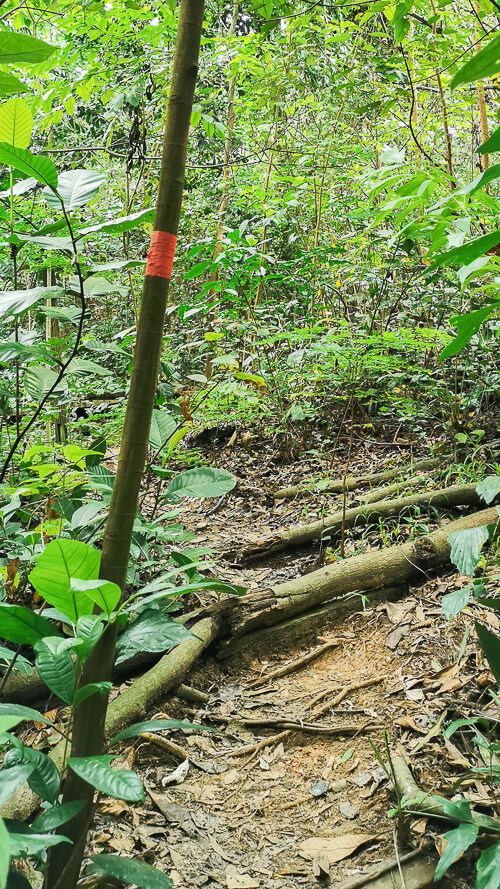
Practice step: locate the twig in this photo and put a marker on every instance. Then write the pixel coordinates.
(294, 665)
(165, 744)
(378, 871)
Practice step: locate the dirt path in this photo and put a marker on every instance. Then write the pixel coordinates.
(239, 818)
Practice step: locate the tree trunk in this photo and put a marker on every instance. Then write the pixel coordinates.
(89, 723)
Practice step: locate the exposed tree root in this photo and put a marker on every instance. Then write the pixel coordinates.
(330, 525)
(338, 485)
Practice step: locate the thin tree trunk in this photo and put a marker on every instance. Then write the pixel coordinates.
(89, 723)
(481, 101)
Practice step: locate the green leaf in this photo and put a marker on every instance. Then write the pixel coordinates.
(103, 592)
(75, 188)
(89, 630)
(14, 302)
(24, 713)
(8, 722)
(86, 691)
(24, 843)
(86, 514)
(38, 381)
(453, 603)
(4, 854)
(45, 779)
(467, 253)
(467, 325)
(60, 561)
(492, 144)
(118, 783)
(162, 428)
(466, 548)
(484, 64)
(57, 671)
(489, 488)
(204, 482)
(16, 48)
(491, 647)
(10, 85)
(488, 868)
(23, 626)
(457, 841)
(128, 870)
(41, 168)
(11, 779)
(152, 631)
(119, 225)
(47, 242)
(16, 123)
(57, 815)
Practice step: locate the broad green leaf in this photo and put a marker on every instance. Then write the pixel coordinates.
(39, 380)
(466, 547)
(16, 48)
(10, 85)
(129, 870)
(492, 144)
(23, 713)
(491, 647)
(86, 514)
(89, 630)
(11, 779)
(489, 488)
(8, 722)
(163, 426)
(60, 561)
(41, 168)
(16, 123)
(48, 242)
(119, 264)
(20, 187)
(152, 631)
(488, 868)
(204, 482)
(467, 253)
(457, 841)
(104, 593)
(156, 725)
(86, 691)
(484, 64)
(461, 723)
(119, 225)
(57, 671)
(118, 783)
(75, 187)
(453, 603)
(14, 302)
(4, 854)
(45, 779)
(25, 843)
(467, 325)
(21, 665)
(56, 815)
(23, 626)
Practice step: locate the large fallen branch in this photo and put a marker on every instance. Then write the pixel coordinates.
(330, 525)
(338, 485)
(392, 565)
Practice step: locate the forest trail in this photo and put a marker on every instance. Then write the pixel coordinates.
(257, 793)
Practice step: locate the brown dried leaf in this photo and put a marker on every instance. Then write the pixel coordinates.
(334, 848)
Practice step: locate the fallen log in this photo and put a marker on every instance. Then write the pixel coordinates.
(339, 485)
(330, 525)
(395, 564)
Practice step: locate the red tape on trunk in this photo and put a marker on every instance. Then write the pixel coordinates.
(161, 255)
